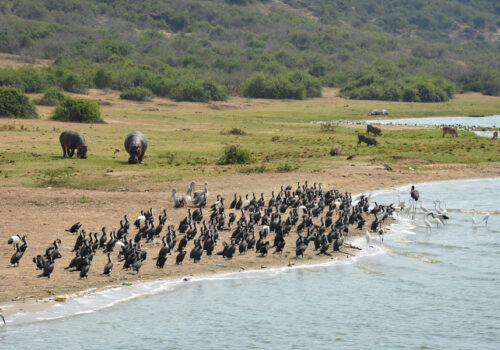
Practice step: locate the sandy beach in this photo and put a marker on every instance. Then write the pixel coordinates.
(44, 214)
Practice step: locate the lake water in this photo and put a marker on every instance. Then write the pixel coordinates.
(419, 290)
(489, 121)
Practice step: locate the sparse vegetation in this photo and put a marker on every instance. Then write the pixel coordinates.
(186, 142)
(233, 131)
(77, 110)
(258, 169)
(55, 176)
(285, 167)
(234, 154)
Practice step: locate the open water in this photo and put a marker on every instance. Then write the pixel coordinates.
(416, 290)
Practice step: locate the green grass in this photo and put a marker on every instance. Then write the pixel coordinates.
(187, 142)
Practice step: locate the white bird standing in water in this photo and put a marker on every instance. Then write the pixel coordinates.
(474, 221)
(428, 225)
(486, 217)
(368, 239)
(438, 221)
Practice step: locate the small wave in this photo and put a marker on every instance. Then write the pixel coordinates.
(478, 212)
(415, 256)
(366, 269)
(441, 245)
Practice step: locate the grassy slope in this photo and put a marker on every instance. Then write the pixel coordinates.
(186, 141)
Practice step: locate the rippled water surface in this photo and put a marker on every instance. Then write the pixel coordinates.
(425, 290)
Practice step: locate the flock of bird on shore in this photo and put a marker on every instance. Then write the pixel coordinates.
(321, 217)
(261, 227)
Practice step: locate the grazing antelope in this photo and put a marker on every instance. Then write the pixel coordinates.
(495, 135)
(449, 130)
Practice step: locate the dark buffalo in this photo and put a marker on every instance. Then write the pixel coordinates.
(71, 140)
(368, 140)
(136, 146)
(373, 129)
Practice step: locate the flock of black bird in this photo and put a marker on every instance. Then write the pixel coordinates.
(261, 226)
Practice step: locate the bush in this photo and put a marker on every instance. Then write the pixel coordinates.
(77, 110)
(384, 81)
(234, 155)
(52, 97)
(296, 86)
(137, 93)
(13, 103)
(234, 131)
(217, 93)
(190, 90)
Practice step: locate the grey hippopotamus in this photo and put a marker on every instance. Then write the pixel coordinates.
(71, 140)
(136, 145)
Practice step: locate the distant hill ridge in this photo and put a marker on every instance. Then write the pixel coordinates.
(224, 42)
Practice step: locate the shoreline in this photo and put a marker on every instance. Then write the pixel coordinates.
(162, 284)
(27, 304)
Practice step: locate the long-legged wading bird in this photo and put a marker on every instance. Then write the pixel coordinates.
(368, 238)
(486, 217)
(428, 225)
(415, 196)
(3, 319)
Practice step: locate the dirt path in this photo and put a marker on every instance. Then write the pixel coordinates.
(44, 214)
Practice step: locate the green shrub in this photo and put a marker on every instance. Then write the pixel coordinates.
(52, 97)
(216, 92)
(384, 81)
(137, 93)
(77, 110)
(190, 90)
(103, 79)
(73, 83)
(14, 103)
(297, 85)
(233, 154)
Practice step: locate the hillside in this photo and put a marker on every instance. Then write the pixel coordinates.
(176, 45)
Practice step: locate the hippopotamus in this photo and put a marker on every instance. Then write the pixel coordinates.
(136, 145)
(378, 112)
(71, 140)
